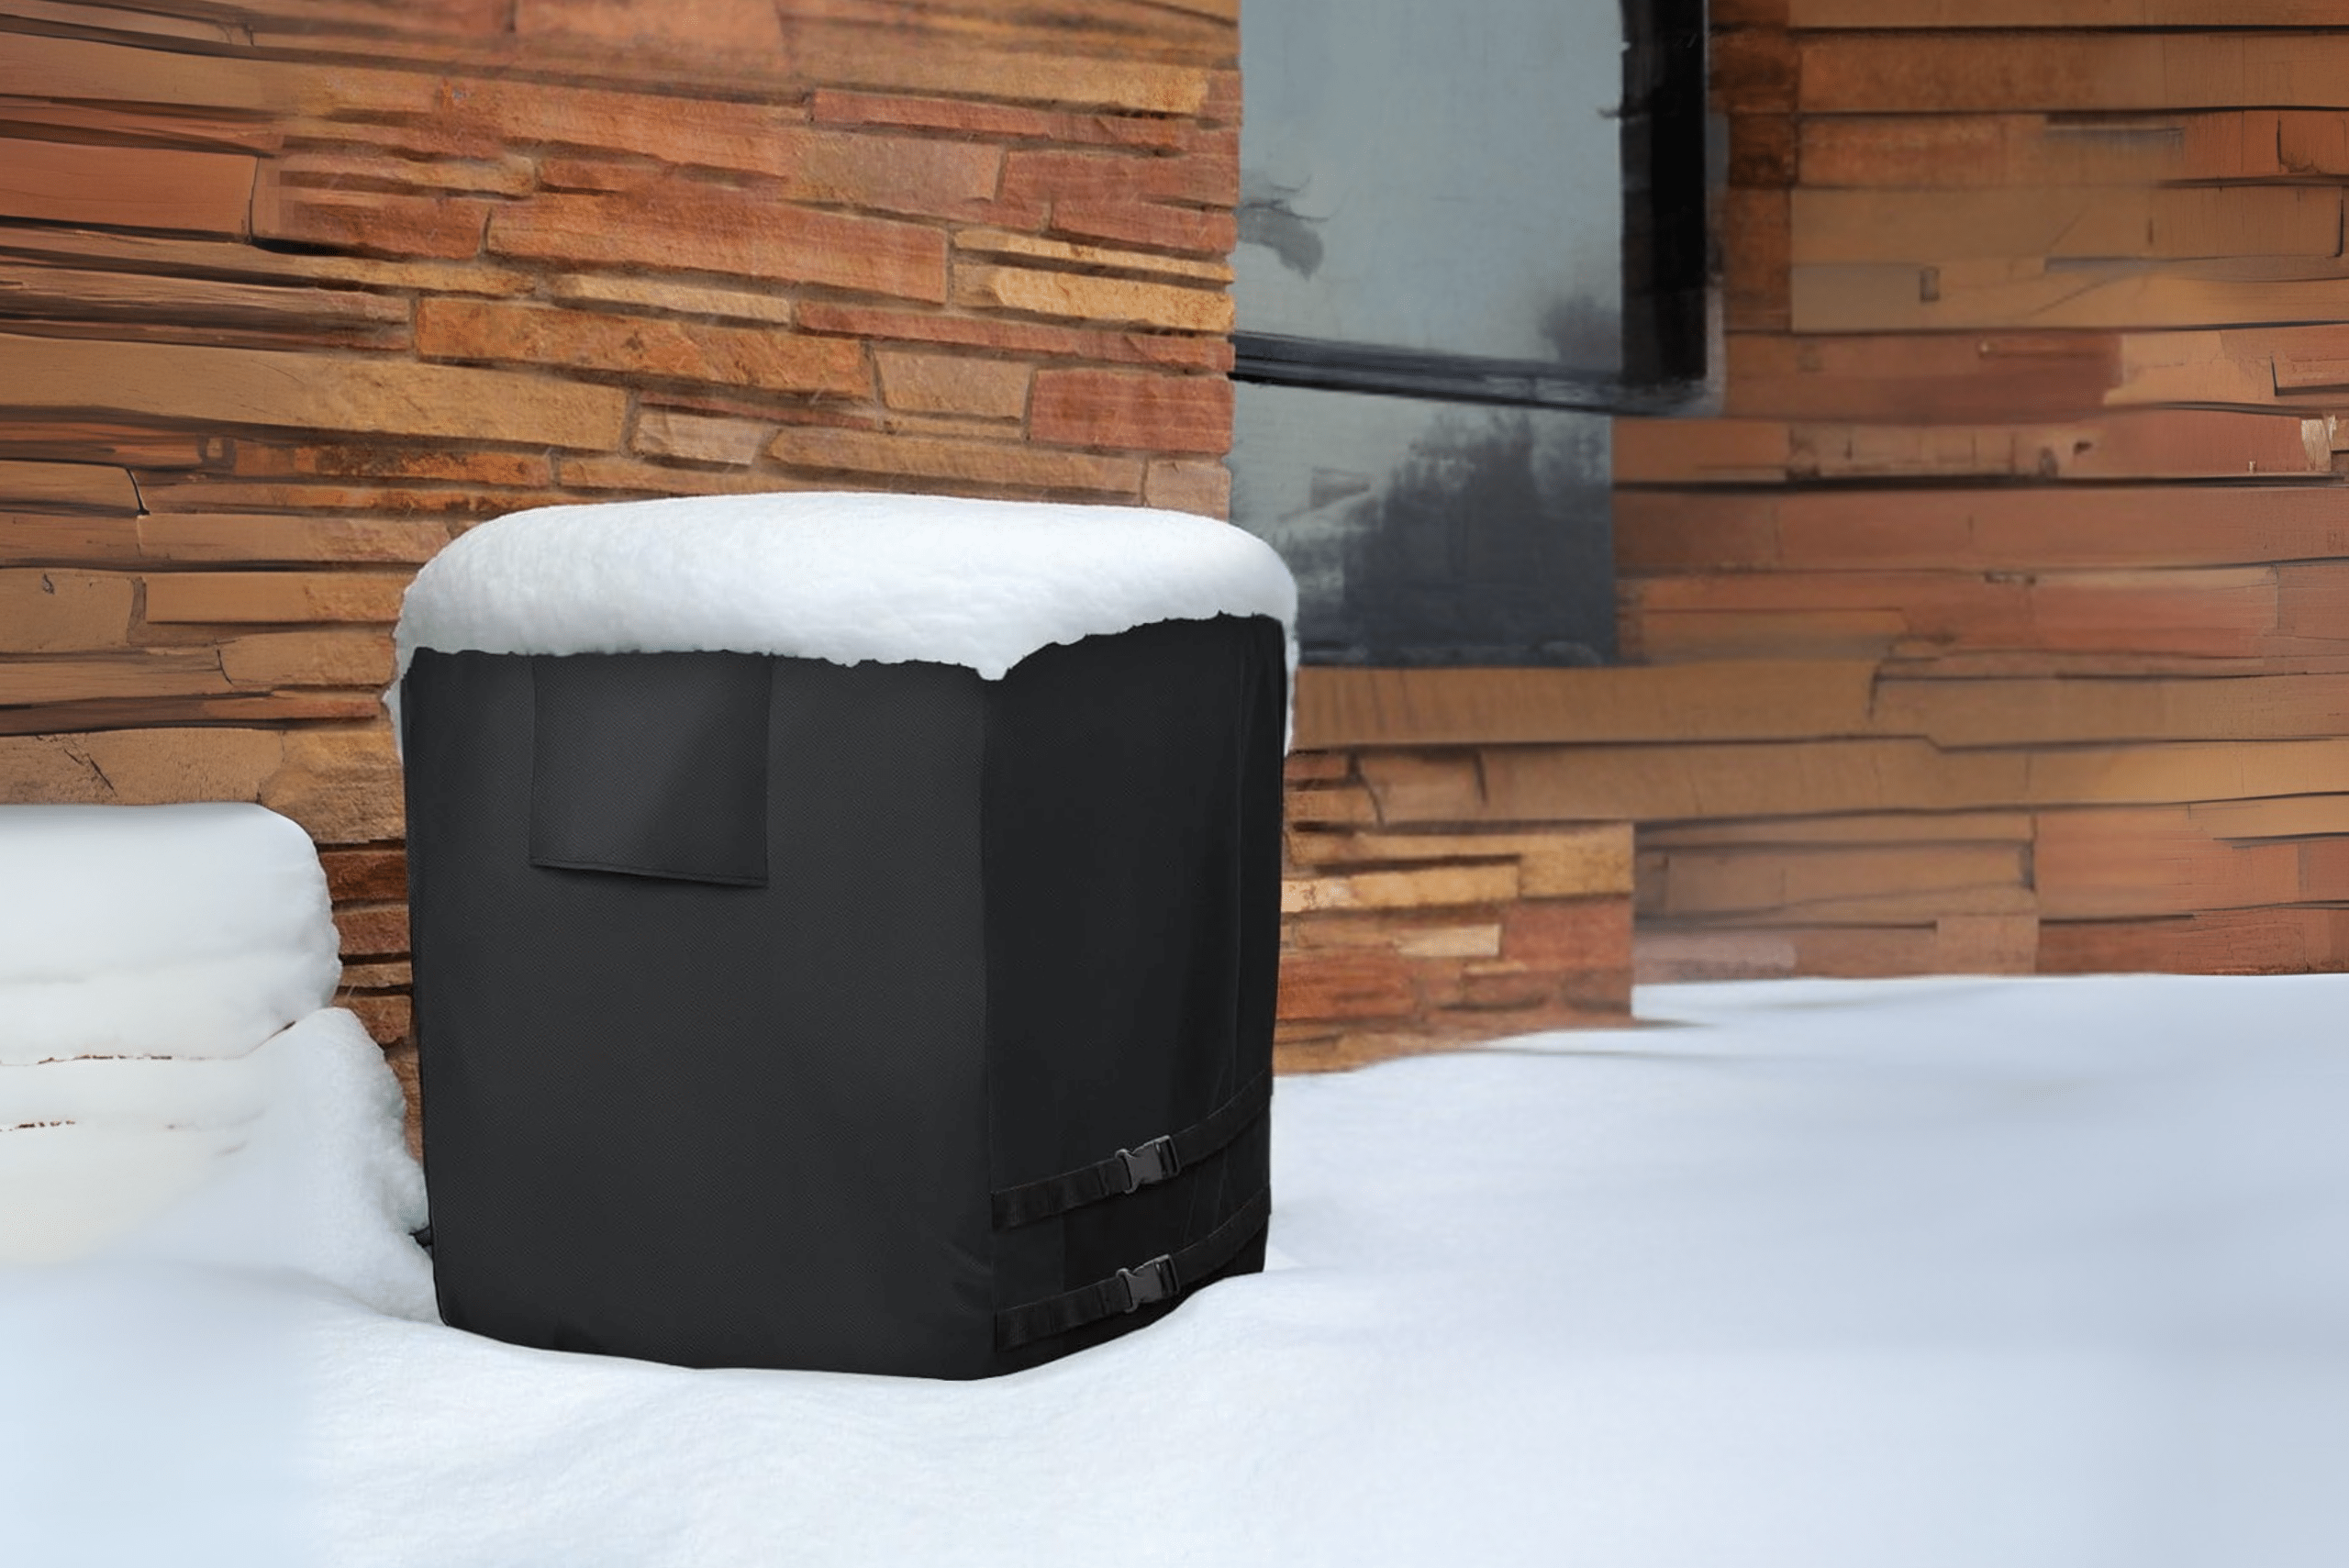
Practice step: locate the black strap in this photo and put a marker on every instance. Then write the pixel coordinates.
(1129, 1168)
(1160, 1279)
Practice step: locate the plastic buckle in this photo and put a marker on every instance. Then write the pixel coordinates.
(1154, 1281)
(1152, 1163)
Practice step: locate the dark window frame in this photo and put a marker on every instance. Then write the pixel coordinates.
(1669, 264)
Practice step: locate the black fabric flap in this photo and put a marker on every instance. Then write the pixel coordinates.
(652, 764)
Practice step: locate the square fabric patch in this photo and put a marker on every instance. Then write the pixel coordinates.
(652, 764)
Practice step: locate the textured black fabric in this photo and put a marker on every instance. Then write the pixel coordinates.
(1132, 874)
(1161, 1159)
(716, 1126)
(652, 764)
(1005, 927)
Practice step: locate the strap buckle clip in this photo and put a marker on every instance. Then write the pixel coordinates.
(1151, 1163)
(1153, 1281)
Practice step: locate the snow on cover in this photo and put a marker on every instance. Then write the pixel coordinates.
(844, 578)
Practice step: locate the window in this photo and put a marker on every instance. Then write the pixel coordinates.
(1469, 233)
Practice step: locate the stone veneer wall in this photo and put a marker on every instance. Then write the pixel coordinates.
(2000, 622)
(2024, 529)
(292, 291)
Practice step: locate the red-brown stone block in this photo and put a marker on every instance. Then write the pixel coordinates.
(1115, 409)
(647, 347)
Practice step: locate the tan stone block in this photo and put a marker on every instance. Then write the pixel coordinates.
(1132, 410)
(698, 438)
(1728, 701)
(647, 478)
(55, 611)
(850, 56)
(663, 294)
(953, 383)
(2291, 817)
(32, 538)
(1764, 779)
(342, 784)
(132, 673)
(1027, 338)
(1567, 861)
(1888, 828)
(132, 187)
(211, 597)
(503, 174)
(1093, 258)
(386, 460)
(1419, 888)
(431, 113)
(138, 767)
(253, 541)
(1424, 788)
(1002, 121)
(378, 976)
(74, 486)
(71, 69)
(347, 317)
(1345, 804)
(1074, 296)
(695, 229)
(970, 462)
(456, 507)
(640, 347)
(1451, 942)
(1204, 488)
(736, 29)
(1388, 928)
(277, 659)
(953, 425)
(252, 386)
(187, 259)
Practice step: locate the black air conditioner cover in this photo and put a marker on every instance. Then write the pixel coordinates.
(778, 1010)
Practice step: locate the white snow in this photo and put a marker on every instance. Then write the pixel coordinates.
(156, 930)
(172, 1082)
(1885, 1274)
(844, 578)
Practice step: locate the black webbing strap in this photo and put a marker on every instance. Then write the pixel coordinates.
(1130, 1168)
(1160, 1279)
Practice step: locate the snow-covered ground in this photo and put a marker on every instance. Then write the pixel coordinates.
(1900, 1275)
